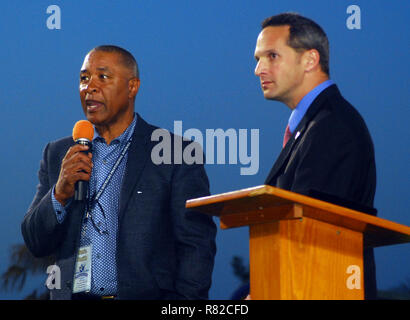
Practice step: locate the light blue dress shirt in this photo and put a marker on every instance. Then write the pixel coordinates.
(304, 104)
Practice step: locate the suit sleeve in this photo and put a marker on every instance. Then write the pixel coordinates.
(194, 231)
(41, 231)
(333, 162)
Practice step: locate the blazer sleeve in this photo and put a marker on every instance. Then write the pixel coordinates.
(336, 163)
(40, 229)
(194, 231)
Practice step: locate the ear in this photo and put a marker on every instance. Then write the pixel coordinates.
(311, 59)
(133, 87)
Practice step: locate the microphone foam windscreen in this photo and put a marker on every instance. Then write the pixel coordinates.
(83, 129)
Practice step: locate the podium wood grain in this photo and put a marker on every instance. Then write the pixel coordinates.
(300, 247)
(304, 259)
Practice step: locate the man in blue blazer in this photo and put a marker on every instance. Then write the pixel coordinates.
(137, 240)
(327, 151)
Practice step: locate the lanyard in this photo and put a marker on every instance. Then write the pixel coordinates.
(95, 199)
(114, 168)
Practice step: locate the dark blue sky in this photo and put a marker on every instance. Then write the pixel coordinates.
(196, 62)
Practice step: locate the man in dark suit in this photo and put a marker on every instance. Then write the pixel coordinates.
(327, 151)
(137, 240)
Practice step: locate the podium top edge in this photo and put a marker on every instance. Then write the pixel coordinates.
(204, 203)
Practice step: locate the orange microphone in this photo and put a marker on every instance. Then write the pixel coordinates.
(83, 133)
(83, 130)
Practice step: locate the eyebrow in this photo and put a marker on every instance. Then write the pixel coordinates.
(99, 69)
(267, 51)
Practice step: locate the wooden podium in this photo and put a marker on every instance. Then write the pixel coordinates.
(300, 247)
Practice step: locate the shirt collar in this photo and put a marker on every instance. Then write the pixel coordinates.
(300, 110)
(124, 137)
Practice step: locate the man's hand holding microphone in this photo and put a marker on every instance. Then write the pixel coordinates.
(76, 165)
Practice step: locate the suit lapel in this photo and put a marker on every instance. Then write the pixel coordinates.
(138, 155)
(300, 130)
(285, 153)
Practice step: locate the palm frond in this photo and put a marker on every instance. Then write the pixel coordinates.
(13, 278)
(22, 263)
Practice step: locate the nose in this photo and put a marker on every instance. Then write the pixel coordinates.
(90, 86)
(259, 68)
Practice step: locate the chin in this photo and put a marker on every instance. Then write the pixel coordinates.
(93, 119)
(269, 96)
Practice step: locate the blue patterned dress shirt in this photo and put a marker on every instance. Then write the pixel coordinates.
(103, 261)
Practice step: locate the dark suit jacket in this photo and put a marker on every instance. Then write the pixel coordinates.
(330, 156)
(164, 251)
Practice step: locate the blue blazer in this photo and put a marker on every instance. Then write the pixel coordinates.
(164, 250)
(330, 156)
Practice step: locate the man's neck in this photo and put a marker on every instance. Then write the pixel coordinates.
(309, 86)
(111, 132)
